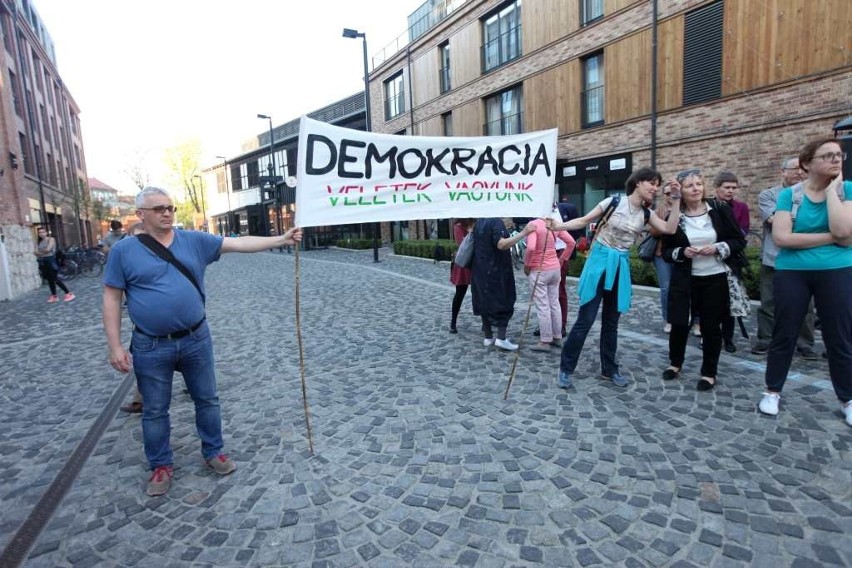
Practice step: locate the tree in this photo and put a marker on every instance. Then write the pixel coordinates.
(136, 168)
(185, 213)
(182, 162)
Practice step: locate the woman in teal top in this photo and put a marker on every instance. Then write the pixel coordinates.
(812, 227)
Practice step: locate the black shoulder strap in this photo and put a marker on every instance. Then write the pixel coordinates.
(647, 213)
(167, 255)
(610, 208)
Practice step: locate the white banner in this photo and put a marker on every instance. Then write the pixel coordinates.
(349, 176)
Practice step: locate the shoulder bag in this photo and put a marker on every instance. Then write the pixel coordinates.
(164, 253)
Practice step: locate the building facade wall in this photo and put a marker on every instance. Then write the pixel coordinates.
(786, 74)
(42, 162)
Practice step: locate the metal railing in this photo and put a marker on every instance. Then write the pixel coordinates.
(433, 13)
(509, 124)
(502, 49)
(592, 106)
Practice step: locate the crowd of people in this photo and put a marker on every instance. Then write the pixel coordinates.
(806, 264)
(699, 259)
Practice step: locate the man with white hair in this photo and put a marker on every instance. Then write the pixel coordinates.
(791, 174)
(162, 274)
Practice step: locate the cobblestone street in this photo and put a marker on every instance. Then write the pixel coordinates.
(418, 460)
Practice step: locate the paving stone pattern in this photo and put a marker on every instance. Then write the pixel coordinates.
(418, 460)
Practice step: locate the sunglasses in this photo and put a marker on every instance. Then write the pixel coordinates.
(159, 209)
(686, 173)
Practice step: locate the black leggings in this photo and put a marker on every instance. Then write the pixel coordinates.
(461, 290)
(48, 270)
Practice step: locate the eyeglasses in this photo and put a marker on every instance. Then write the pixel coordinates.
(830, 156)
(159, 209)
(686, 173)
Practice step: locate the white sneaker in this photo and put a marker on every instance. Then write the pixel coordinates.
(488, 342)
(506, 345)
(696, 330)
(769, 403)
(667, 328)
(847, 411)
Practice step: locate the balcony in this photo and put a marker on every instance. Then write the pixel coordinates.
(509, 124)
(502, 49)
(427, 16)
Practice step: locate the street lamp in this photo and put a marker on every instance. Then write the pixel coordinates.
(271, 168)
(354, 34)
(203, 207)
(227, 190)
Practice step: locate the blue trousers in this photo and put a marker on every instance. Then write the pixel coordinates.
(573, 345)
(664, 278)
(154, 362)
(793, 290)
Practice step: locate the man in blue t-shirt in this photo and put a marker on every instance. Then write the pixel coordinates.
(170, 331)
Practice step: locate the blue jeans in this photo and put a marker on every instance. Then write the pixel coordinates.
(573, 346)
(154, 362)
(664, 277)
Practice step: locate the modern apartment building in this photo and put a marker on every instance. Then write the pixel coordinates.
(42, 165)
(708, 84)
(245, 201)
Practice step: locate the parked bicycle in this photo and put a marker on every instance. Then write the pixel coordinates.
(88, 262)
(68, 269)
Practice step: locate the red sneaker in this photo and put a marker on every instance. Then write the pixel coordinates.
(68, 297)
(52, 299)
(160, 481)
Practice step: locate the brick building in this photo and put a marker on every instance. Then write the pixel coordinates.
(737, 84)
(42, 166)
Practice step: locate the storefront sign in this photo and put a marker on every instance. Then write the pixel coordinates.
(349, 176)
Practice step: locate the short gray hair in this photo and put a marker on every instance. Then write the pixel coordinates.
(787, 161)
(149, 190)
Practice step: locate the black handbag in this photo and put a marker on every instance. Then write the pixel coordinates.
(648, 248)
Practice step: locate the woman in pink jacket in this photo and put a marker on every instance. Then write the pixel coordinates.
(542, 266)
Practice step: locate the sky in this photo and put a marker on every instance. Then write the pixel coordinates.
(150, 75)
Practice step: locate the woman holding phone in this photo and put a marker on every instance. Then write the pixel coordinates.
(701, 252)
(606, 273)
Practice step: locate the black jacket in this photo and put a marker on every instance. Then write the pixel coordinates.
(727, 231)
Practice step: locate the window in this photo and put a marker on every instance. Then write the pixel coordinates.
(37, 72)
(45, 127)
(7, 34)
(394, 97)
(504, 113)
(591, 11)
(25, 154)
(236, 177)
(702, 54)
(444, 52)
(592, 97)
(16, 93)
(502, 33)
(447, 123)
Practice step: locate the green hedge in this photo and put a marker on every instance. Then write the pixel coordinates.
(426, 249)
(358, 244)
(643, 273)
